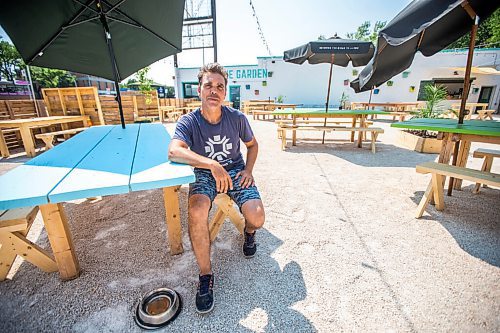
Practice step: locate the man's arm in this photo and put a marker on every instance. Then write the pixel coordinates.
(179, 152)
(246, 174)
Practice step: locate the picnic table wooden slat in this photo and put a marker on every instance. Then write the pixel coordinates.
(30, 183)
(151, 168)
(98, 174)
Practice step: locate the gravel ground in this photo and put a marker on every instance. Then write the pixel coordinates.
(340, 251)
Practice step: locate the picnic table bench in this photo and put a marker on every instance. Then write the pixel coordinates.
(439, 171)
(48, 137)
(102, 160)
(374, 131)
(488, 155)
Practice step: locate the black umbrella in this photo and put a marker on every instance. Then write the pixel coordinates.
(427, 26)
(106, 38)
(334, 51)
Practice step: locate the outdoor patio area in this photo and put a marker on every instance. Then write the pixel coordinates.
(341, 250)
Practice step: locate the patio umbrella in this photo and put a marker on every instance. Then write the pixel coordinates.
(334, 51)
(427, 26)
(106, 38)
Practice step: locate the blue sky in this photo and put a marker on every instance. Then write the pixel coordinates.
(285, 24)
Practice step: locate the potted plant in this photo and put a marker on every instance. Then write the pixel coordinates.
(421, 140)
(343, 101)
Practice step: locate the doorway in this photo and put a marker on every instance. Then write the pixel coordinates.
(485, 95)
(234, 96)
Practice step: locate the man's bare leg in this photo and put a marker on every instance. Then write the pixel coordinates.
(199, 205)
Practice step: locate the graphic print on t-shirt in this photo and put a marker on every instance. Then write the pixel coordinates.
(218, 149)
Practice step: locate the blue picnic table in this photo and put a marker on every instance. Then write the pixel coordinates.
(102, 160)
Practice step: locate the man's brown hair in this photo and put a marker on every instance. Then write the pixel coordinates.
(213, 68)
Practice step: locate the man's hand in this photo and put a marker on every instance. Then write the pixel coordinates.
(246, 178)
(222, 179)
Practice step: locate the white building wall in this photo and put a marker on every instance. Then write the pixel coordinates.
(307, 84)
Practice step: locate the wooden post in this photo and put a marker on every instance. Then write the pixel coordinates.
(328, 94)
(56, 224)
(98, 106)
(47, 101)
(80, 103)
(61, 100)
(9, 108)
(136, 109)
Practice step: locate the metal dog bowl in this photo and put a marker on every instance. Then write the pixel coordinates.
(158, 308)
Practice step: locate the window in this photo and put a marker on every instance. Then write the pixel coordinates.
(190, 89)
(454, 87)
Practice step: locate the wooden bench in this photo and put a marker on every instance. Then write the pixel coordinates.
(225, 208)
(439, 171)
(484, 114)
(329, 128)
(488, 155)
(48, 138)
(14, 226)
(316, 121)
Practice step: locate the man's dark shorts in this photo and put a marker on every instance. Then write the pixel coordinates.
(205, 184)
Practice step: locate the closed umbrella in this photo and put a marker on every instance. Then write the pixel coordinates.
(334, 51)
(106, 38)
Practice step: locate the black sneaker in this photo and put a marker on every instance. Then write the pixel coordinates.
(249, 246)
(205, 294)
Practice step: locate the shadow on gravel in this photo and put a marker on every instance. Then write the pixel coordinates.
(472, 220)
(259, 288)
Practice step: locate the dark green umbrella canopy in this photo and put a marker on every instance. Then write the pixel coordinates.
(320, 51)
(427, 26)
(69, 34)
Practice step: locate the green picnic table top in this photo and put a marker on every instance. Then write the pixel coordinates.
(476, 127)
(313, 111)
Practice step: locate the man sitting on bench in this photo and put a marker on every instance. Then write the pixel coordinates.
(209, 139)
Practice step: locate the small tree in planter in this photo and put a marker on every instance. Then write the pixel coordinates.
(421, 140)
(433, 96)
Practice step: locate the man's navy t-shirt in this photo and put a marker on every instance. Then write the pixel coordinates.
(220, 141)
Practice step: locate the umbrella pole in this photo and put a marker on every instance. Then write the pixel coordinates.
(465, 94)
(328, 96)
(104, 23)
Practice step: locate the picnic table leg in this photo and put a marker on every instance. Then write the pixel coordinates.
(463, 155)
(487, 163)
(56, 224)
(445, 153)
(64, 127)
(171, 201)
(427, 197)
(294, 133)
(4, 150)
(29, 145)
(360, 134)
(353, 125)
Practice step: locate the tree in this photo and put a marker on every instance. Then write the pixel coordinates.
(488, 34)
(10, 61)
(145, 83)
(363, 31)
(52, 78)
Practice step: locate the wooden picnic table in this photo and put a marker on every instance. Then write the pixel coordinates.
(357, 117)
(25, 126)
(450, 132)
(102, 160)
(397, 106)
